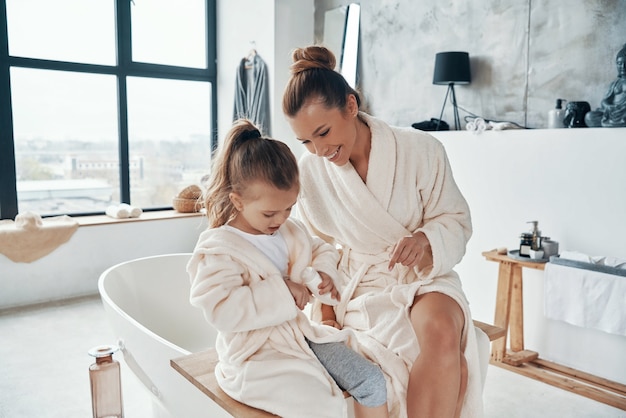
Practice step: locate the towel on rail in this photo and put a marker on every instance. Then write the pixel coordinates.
(585, 297)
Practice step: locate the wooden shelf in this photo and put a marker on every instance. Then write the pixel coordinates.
(572, 380)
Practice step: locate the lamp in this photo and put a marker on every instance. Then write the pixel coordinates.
(451, 68)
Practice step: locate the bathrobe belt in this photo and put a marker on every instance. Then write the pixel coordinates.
(366, 262)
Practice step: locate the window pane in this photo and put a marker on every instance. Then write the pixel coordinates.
(169, 124)
(66, 147)
(62, 30)
(170, 32)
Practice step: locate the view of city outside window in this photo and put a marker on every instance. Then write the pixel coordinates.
(168, 137)
(66, 123)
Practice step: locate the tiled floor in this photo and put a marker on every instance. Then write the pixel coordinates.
(44, 371)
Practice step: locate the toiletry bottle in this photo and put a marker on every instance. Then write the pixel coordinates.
(106, 387)
(536, 240)
(526, 242)
(556, 115)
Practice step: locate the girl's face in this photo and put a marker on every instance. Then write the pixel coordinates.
(262, 208)
(328, 133)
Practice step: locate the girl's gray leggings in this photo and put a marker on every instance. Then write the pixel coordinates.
(353, 373)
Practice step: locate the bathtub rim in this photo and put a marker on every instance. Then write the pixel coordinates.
(106, 299)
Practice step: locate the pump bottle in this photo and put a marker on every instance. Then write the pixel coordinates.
(556, 115)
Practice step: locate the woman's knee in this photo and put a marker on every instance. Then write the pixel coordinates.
(438, 321)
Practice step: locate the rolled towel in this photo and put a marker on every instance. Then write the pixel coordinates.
(116, 211)
(133, 211)
(576, 256)
(615, 262)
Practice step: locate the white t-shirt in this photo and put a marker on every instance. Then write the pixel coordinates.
(273, 246)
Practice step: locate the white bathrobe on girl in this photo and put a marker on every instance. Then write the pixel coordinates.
(409, 188)
(264, 359)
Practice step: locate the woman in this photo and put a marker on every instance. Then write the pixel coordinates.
(386, 195)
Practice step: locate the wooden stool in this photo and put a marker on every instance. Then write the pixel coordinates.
(510, 309)
(509, 318)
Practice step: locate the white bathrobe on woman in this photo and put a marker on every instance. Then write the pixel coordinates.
(409, 188)
(264, 360)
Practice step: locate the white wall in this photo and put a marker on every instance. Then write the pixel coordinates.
(572, 182)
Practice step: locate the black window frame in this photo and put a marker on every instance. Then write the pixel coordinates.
(124, 68)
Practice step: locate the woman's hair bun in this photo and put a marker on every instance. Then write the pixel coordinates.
(312, 57)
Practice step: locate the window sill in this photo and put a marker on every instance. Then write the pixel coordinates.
(145, 216)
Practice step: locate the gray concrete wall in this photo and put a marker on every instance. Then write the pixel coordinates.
(524, 55)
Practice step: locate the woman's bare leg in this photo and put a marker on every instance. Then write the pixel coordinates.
(464, 377)
(438, 378)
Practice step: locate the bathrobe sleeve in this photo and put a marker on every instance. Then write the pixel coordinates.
(446, 218)
(233, 296)
(323, 256)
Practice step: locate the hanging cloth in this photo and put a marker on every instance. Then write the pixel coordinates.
(252, 93)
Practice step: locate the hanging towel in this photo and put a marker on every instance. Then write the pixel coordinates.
(252, 93)
(586, 298)
(30, 238)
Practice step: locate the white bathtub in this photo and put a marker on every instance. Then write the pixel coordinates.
(146, 302)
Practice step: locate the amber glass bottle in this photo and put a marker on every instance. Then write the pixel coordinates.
(106, 385)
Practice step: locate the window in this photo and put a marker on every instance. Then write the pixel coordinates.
(104, 101)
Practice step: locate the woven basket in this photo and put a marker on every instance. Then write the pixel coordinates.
(186, 205)
(190, 192)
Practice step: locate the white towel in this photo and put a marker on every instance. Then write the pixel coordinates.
(123, 210)
(585, 298)
(30, 237)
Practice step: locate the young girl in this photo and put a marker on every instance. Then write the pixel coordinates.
(246, 277)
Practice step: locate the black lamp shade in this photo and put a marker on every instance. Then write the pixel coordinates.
(452, 67)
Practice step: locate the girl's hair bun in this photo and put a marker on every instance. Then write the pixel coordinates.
(312, 57)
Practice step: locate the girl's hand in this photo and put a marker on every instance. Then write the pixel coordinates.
(328, 286)
(300, 293)
(331, 323)
(328, 317)
(411, 251)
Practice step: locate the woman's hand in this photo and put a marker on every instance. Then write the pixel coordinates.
(328, 286)
(301, 295)
(412, 251)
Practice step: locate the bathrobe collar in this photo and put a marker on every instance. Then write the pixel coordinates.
(371, 200)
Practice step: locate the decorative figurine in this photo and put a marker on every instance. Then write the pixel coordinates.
(612, 110)
(575, 113)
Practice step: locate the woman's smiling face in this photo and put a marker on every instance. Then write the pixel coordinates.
(327, 132)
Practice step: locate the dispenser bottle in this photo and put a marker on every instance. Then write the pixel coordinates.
(106, 387)
(556, 115)
(536, 239)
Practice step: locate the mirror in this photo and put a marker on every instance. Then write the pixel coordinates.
(341, 35)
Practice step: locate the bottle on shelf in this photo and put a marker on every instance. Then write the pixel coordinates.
(556, 115)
